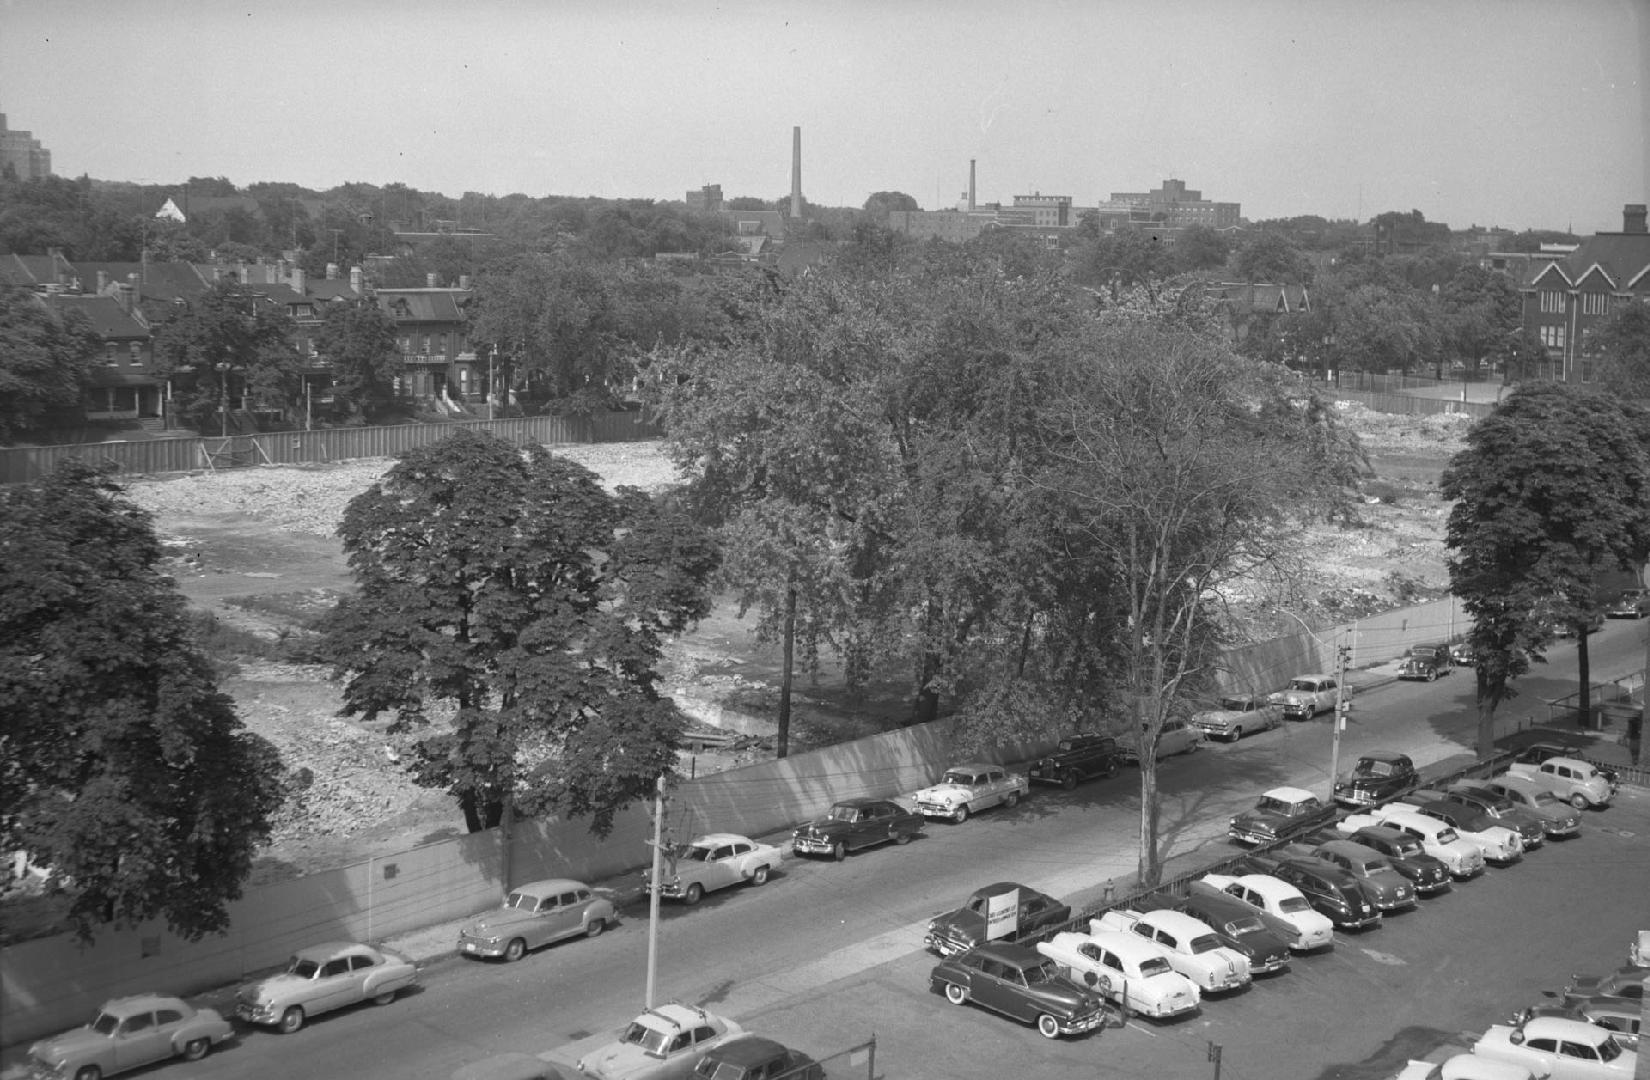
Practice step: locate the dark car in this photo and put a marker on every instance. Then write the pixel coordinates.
(1382, 882)
(955, 931)
(1378, 776)
(1024, 985)
(1530, 828)
(1426, 872)
(1462, 654)
(1425, 662)
(1632, 604)
(856, 823)
(1278, 814)
(1238, 925)
(1473, 826)
(1078, 758)
(1625, 984)
(752, 1057)
(1329, 889)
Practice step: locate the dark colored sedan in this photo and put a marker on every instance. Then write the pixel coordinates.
(1023, 985)
(1530, 828)
(1329, 889)
(752, 1057)
(856, 823)
(1404, 852)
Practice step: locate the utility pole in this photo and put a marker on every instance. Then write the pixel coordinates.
(655, 882)
(1214, 1056)
(1341, 707)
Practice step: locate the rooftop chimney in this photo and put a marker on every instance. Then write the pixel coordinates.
(796, 172)
(971, 183)
(332, 271)
(429, 280)
(356, 280)
(300, 281)
(1632, 218)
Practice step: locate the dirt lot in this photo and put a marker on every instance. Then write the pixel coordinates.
(256, 549)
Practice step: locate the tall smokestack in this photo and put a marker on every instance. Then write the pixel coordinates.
(796, 172)
(971, 183)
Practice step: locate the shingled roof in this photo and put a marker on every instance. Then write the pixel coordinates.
(1623, 258)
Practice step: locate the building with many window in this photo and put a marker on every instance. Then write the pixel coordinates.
(1566, 299)
(1175, 204)
(22, 153)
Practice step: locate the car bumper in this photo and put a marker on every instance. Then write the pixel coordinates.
(1249, 836)
(945, 946)
(253, 1014)
(1227, 981)
(1427, 888)
(1355, 798)
(1214, 731)
(1297, 712)
(939, 810)
(1179, 1005)
(1468, 871)
(1314, 941)
(1259, 966)
(807, 845)
(1077, 1025)
(1355, 922)
(480, 947)
(1396, 903)
(1559, 830)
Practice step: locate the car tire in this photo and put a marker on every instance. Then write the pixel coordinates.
(901, 836)
(1048, 1027)
(1237, 733)
(1580, 801)
(291, 1021)
(1012, 799)
(1111, 768)
(515, 950)
(88, 1072)
(195, 1049)
(956, 995)
(839, 851)
(960, 814)
(1432, 675)
(759, 876)
(383, 999)
(694, 894)
(1068, 781)
(594, 927)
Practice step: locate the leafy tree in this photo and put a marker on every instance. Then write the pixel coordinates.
(1480, 309)
(1378, 327)
(124, 771)
(1200, 248)
(881, 203)
(360, 344)
(228, 345)
(1119, 260)
(1270, 257)
(1552, 491)
(1621, 345)
(45, 360)
(510, 616)
(746, 202)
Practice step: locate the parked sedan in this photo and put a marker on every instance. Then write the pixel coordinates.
(322, 978)
(1557, 817)
(1436, 838)
(1560, 1048)
(1404, 852)
(537, 914)
(666, 1042)
(1625, 984)
(1128, 970)
(716, 861)
(1475, 794)
(1383, 884)
(965, 927)
(1188, 944)
(1499, 844)
(1263, 938)
(128, 1033)
(1237, 716)
(1624, 1019)
(751, 1057)
(856, 823)
(1279, 898)
(967, 789)
(1632, 604)
(1175, 737)
(1023, 985)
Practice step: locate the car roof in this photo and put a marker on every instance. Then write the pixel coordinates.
(998, 888)
(672, 1016)
(1129, 946)
(1574, 763)
(1317, 675)
(1177, 922)
(749, 1050)
(1516, 783)
(711, 839)
(1289, 794)
(971, 766)
(859, 802)
(1350, 848)
(1384, 832)
(328, 950)
(1383, 755)
(1561, 1027)
(134, 1003)
(1411, 816)
(1266, 884)
(1019, 955)
(550, 886)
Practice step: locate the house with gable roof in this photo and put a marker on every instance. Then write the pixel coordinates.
(125, 386)
(1566, 299)
(432, 328)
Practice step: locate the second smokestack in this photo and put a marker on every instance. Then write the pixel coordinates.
(971, 183)
(796, 172)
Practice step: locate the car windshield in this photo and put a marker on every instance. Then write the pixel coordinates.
(843, 813)
(105, 1024)
(1447, 836)
(1239, 927)
(1155, 966)
(1370, 768)
(697, 853)
(1371, 866)
(1406, 849)
(1204, 943)
(1068, 744)
(1547, 798)
(1237, 704)
(1289, 905)
(958, 778)
(304, 969)
(1609, 1049)
(1273, 806)
(1303, 684)
(650, 1040)
(1047, 971)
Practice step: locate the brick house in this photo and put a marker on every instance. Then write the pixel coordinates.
(125, 385)
(1564, 300)
(432, 328)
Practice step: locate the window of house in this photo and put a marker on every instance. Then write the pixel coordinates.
(135, 356)
(109, 353)
(1552, 337)
(406, 343)
(1595, 303)
(426, 349)
(1552, 301)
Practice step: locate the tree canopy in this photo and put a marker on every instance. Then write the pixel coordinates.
(45, 360)
(124, 772)
(1621, 346)
(509, 619)
(228, 344)
(359, 341)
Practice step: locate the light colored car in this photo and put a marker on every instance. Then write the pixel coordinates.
(716, 861)
(1313, 929)
(1174, 737)
(1463, 860)
(322, 978)
(968, 789)
(1239, 715)
(1568, 778)
(1466, 1066)
(1189, 945)
(663, 1043)
(536, 914)
(1127, 969)
(128, 1033)
(1308, 695)
(1497, 843)
(1564, 1049)
(1558, 818)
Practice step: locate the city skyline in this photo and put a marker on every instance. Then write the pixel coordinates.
(1514, 113)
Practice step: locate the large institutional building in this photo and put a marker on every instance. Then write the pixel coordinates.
(22, 154)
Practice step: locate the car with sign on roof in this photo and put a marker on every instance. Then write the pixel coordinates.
(853, 824)
(967, 789)
(715, 861)
(534, 915)
(129, 1033)
(322, 978)
(1003, 909)
(1130, 971)
(1022, 984)
(666, 1042)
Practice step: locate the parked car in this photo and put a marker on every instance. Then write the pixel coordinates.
(1500, 845)
(511, 1065)
(1451, 1065)
(1590, 623)
(322, 978)
(534, 915)
(852, 824)
(666, 1042)
(967, 789)
(1429, 875)
(1462, 654)
(1078, 758)
(1188, 944)
(1632, 604)
(1278, 898)
(1425, 662)
(965, 927)
(128, 1033)
(1130, 971)
(1624, 1019)
(1023, 985)
(1379, 775)
(1238, 715)
(1558, 818)
(1175, 737)
(1308, 695)
(1280, 813)
(1437, 838)
(1336, 893)
(752, 1057)
(1382, 883)
(715, 861)
(1538, 752)
(1530, 828)
(1624, 984)
(1568, 778)
(1264, 939)
(1562, 1049)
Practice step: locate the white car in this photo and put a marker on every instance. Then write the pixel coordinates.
(1307, 695)
(1189, 945)
(966, 789)
(1463, 860)
(1560, 1048)
(715, 861)
(322, 978)
(1497, 843)
(1313, 929)
(1127, 969)
(1175, 737)
(1238, 715)
(663, 1043)
(1466, 1067)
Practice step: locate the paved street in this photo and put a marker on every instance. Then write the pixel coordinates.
(827, 954)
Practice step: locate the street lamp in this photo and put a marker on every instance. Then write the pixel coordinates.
(492, 393)
(223, 400)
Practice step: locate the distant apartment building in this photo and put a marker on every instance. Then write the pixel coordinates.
(1566, 299)
(957, 226)
(1046, 211)
(707, 198)
(1179, 206)
(22, 154)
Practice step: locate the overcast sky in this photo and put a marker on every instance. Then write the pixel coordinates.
(1518, 113)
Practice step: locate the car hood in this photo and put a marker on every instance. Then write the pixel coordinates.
(1259, 820)
(1224, 717)
(962, 922)
(498, 920)
(617, 1060)
(69, 1044)
(272, 987)
(824, 827)
(944, 791)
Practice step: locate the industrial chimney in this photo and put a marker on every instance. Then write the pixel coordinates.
(971, 183)
(796, 172)
(1633, 218)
